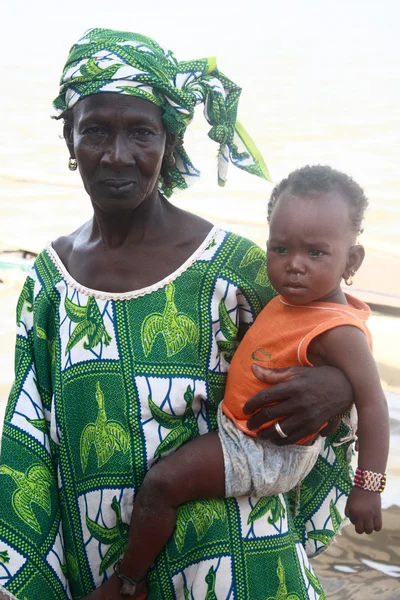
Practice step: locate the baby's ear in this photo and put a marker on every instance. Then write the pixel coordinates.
(354, 260)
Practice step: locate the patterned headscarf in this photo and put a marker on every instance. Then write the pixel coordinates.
(104, 60)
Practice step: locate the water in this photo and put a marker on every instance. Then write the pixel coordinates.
(320, 86)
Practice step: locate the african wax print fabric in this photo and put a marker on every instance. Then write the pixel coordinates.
(104, 60)
(108, 383)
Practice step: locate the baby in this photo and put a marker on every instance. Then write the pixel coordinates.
(315, 215)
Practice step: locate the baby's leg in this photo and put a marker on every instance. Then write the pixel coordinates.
(194, 472)
(257, 467)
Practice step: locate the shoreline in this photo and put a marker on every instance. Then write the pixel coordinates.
(359, 567)
(371, 283)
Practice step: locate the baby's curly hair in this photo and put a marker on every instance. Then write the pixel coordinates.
(318, 178)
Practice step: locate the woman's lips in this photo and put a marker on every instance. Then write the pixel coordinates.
(119, 186)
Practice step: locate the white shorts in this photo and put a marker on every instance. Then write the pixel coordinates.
(255, 467)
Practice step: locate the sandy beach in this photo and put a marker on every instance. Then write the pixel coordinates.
(363, 567)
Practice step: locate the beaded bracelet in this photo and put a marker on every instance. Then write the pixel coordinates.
(128, 585)
(369, 480)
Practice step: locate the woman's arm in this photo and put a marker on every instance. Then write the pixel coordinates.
(31, 539)
(306, 397)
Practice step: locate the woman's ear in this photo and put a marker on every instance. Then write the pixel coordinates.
(354, 260)
(68, 134)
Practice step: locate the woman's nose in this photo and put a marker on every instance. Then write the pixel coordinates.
(119, 152)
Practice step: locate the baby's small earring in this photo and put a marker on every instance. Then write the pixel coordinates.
(72, 164)
(349, 280)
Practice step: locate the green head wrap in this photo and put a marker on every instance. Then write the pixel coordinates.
(104, 60)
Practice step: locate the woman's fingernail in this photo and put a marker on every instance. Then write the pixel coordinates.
(261, 368)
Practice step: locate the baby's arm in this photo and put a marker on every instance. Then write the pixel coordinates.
(347, 348)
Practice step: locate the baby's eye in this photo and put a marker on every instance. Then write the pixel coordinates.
(316, 253)
(280, 250)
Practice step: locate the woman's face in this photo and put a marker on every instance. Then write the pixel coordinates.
(119, 143)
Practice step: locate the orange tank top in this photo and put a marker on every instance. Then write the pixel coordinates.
(279, 338)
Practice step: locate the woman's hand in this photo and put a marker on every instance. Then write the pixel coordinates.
(305, 397)
(110, 590)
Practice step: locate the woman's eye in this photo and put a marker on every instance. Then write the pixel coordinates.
(95, 130)
(142, 132)
(315, 253)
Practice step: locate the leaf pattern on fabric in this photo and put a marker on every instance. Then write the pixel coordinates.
(315, 584)
(40, 424)
(282, 593)
(183, 427)
(40, 332)
(116, 537)
(4, 557)
(272, 504)
(51, 344)
(335, 516)
(227, 326)
(71, 568)
(226, 349)
(106, 436)
(306, 492)
(33, 487)
(326, 535)
(177, 329)
(201, 515)
(90, 324)
(26, 297)
(210, 580)
(253, 256)
(322, 535)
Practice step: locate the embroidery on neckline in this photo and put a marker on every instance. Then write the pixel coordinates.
(100, 295)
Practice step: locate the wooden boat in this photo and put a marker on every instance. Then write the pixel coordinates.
(15, 263)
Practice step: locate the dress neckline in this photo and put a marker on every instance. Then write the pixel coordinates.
(354, 306)
(101, 295)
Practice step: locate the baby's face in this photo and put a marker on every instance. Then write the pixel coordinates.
(308, 246)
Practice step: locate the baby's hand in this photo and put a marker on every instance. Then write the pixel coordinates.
(364, 510)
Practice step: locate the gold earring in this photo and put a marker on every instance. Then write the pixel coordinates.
(72, 164)
(349, 279)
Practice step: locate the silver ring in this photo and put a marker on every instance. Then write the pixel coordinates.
(279, 430)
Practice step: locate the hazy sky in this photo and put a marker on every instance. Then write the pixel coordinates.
(46, 29)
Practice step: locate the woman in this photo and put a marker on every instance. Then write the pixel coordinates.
(109, 381)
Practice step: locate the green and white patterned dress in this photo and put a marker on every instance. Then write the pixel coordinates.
(108, 383)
